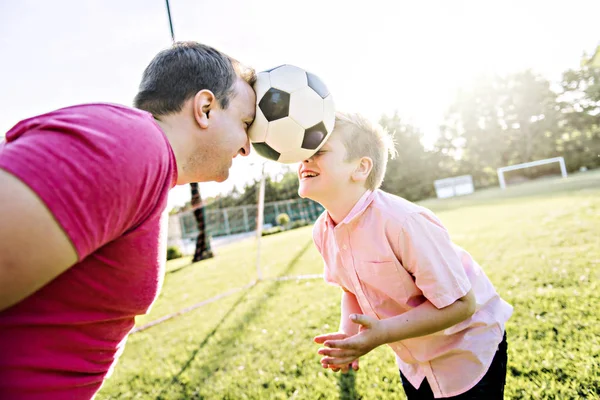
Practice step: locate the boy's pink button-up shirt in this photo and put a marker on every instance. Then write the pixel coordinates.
(394, 255)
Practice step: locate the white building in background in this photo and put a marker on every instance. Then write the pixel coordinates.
(455, 186)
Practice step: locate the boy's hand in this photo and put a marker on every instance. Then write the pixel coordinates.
(335, 368)
(344, 368)
(342, 349)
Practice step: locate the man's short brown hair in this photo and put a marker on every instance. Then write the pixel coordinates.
(176, 74)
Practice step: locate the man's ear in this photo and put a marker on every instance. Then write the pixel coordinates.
(204, 103)
(363, 169)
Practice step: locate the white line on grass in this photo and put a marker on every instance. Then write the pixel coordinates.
(297, 277)
(190, 308)
(218, 297)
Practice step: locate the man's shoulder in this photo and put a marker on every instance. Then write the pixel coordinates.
(107, 114)
(117, 139)
(99, 107)
(118, 127)
(97, 110)
(88, 117)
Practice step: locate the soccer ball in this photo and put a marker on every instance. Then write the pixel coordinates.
(294, 114)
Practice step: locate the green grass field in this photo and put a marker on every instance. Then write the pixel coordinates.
(538, 242)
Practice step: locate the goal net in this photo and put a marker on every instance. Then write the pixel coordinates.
(503, 170)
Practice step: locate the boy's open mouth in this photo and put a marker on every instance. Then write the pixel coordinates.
(308, 174)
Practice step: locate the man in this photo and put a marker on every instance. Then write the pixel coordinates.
(82, 195)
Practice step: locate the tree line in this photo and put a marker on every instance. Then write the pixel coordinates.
(497, 121)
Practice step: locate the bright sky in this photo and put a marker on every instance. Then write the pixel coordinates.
(376, 58)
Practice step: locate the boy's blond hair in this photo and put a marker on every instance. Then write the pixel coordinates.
(363, 138)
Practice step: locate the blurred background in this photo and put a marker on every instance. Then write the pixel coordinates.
(468, 86)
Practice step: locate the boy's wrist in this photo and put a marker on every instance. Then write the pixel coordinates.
(387, 332)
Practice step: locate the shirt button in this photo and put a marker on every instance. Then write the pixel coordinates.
(344, 247)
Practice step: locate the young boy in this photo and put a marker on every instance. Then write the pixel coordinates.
(405, 284)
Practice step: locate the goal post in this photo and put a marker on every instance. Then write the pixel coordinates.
(501, 171)
(259, 221)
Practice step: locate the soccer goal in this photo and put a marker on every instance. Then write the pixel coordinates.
(501, 171)
(226, 225)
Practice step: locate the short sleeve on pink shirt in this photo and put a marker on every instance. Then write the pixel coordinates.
(428, 254)
(96, 182)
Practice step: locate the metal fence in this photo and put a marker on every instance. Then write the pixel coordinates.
(234, 220)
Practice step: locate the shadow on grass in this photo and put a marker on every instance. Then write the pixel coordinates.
(205, 340)
(214, 361)
(174, 270)
(347, 385)
(180, 268)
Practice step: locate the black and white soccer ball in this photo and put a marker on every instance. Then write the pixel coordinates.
(295, 114)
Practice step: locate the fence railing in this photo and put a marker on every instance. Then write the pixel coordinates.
(234, 220)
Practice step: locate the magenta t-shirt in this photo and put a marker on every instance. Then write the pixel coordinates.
(104, 171)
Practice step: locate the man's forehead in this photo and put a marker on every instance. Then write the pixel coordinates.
(247, 99)
(251, 111)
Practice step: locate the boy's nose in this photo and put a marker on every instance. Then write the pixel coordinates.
(245, 151)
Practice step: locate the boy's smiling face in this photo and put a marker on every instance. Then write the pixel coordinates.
(326, 174)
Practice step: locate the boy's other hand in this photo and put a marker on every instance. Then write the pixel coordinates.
(335, 368)
(341, 349)
(344, 368)
(330, 336)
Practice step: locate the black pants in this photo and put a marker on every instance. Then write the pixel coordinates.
(490, 387)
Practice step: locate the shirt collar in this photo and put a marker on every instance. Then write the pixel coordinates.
(360, 206)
